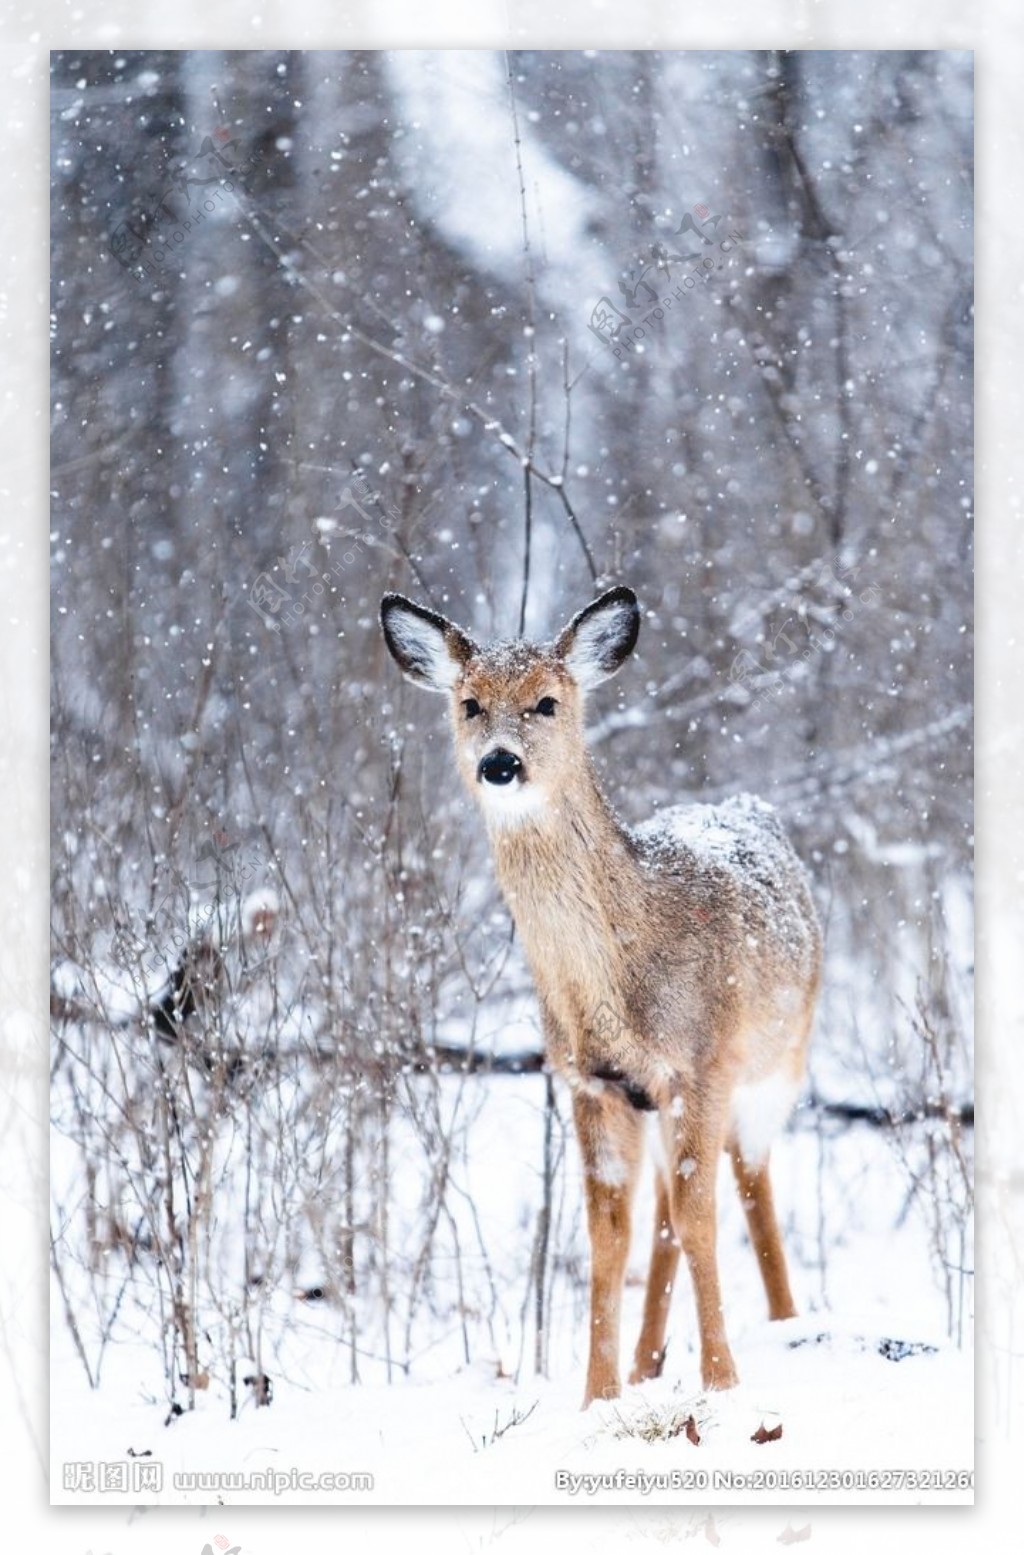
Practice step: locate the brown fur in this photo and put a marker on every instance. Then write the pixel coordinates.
(668, 973)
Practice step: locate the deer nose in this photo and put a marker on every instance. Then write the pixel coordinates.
(499, 766)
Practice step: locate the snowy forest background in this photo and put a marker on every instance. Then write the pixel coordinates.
(330, 324)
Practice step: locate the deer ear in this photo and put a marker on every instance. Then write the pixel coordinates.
(426, 647)
(601, 638)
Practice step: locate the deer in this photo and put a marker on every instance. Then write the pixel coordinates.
(676, 963)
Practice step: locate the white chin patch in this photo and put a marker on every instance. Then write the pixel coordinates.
(508, 804)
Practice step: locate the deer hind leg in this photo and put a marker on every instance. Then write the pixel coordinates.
(610, 1135)
(697, 1139)
(759, 1111)
(755, 1191)
(650, 1350)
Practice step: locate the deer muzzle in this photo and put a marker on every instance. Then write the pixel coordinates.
(500, 767)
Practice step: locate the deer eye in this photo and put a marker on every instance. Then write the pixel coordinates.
(472, 707)
(546, 706)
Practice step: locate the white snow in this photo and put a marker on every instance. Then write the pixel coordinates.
(457, 121)
(843, 1406)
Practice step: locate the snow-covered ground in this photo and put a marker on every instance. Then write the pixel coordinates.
(853, 1418)
(851, 1421)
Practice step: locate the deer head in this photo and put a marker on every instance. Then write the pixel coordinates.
(516, 707)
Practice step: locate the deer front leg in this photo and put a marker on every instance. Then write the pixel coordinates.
(696, 1146)
(610, 1135)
